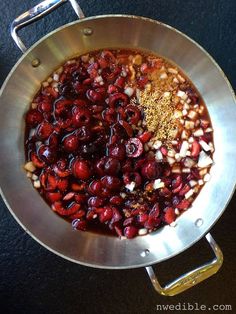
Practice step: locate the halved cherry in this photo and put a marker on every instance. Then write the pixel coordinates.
(61, 210)
(70, 143)
(81, 116)
(44, 130)
(33, 117)
(81, 169)
(118, 99)
(169, 215)
(133, 114)
(134, 147)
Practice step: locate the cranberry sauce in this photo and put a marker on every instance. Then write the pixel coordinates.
(118, 142)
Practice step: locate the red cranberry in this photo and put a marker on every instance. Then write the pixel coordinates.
(134, 147)
(111, 183)
(44, 130)
(81, 169)
(80, 116)
(130, 232)
(47, 154)
(112, 166)
(33, 117)
(70, 143)
(133, 114)
(150, 170)
(117, 151)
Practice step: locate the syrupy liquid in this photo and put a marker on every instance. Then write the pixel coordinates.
(90, 111)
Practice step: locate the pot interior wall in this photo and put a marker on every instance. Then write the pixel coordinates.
(33, 213)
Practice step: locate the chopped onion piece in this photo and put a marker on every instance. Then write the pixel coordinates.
(142, 231)
(158, 184)
(192, 183)
(192, 114)
(172, 70)
(170, 160)
(189, 125)
(186, 170)
(206, 177)
(204, 160)
(157, 144)
(37, 184)
(205, 146)
(158, 155)
(130, 186)
(208, 130)
(29, 166)
(189, 194)
(198, 132)
(129, 91)
(200, 182)
(183, 149)
(56, 77)
(181, 78)
(177, 212)
(182, 95)
(189, 162)
(163, 76)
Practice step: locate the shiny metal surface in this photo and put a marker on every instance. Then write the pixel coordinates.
(191, 278)
(28, 207)
(36, 13)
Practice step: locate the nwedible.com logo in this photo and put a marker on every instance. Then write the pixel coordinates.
(193, 307)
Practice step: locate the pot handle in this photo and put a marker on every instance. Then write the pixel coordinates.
(191, 278)
(36, 13)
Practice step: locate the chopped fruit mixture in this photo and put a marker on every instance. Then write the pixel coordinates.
(119, 142)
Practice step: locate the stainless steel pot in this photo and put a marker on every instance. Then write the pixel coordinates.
(29, 209)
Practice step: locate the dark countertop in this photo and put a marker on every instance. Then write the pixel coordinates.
(32, 279)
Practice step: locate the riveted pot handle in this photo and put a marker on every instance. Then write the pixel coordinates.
(191, 278)
(36, 13)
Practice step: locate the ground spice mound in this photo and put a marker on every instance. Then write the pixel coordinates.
(159, 113)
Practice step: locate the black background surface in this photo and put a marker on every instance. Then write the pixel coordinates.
(33, 280)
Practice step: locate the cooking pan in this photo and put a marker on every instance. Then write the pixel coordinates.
(30, 210)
